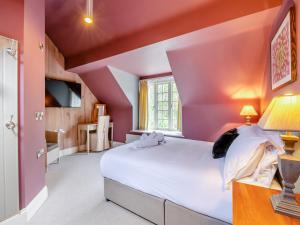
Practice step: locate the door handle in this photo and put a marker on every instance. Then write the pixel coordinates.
(10, 124)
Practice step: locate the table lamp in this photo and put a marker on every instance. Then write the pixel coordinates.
(248, 111)
(283, 114)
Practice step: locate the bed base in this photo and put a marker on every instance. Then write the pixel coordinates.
(179, 215)
(156, 210)
(147, 206)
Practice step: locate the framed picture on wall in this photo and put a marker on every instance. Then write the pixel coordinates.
(284, 52)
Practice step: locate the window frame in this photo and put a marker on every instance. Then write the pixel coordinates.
(161, 81)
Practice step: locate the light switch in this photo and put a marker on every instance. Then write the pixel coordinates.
(40, 153)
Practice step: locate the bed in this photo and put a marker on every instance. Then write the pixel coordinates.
(174, 183)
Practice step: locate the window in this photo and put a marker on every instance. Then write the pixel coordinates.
(163, 104)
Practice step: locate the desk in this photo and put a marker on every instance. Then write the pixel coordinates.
(252, 206)
(91, 127)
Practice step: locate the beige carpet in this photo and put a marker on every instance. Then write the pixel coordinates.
(76, 197)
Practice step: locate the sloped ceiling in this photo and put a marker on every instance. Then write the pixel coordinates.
(104, 86)
(129, 84)
(121, 26)
(217, 70)
(152, 59)
(119, 91)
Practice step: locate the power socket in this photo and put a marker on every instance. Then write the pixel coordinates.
(39, 115)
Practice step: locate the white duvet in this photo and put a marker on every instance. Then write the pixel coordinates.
(182, 171)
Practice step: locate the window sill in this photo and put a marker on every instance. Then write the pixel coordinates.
(165, 132)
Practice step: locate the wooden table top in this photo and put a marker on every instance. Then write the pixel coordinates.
(252, 206)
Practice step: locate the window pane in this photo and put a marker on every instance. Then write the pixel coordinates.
(166, 87)
(160, 106)
(159, 97)
(165, 124)
(159, 88)
(165, 97)
(160, 124)
(165, 115)
(165, 105)
(175, 97)
(160, 115)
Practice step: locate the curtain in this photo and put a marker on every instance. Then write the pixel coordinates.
(179, 116)
(143, 105)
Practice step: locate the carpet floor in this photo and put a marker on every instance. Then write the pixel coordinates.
(76, 197)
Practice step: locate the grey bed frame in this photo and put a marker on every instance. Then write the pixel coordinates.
(156, 210)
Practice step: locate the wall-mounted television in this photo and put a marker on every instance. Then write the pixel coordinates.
(59, 93)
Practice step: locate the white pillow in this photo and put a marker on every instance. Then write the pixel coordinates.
(266, 169)
(248, 130)
(255, 130)
(273, 137)
(243, 156)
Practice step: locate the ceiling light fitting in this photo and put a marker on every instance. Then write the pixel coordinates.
(88, 18)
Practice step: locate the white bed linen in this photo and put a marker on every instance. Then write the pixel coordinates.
(182, 171)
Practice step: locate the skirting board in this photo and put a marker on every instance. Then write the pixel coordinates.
(116, 144)
(35, 204)
(68, 151)
(73, 150)
(10, 220)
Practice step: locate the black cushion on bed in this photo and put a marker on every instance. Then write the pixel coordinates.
(223, 143)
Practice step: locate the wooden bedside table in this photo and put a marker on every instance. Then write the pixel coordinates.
(252, 206)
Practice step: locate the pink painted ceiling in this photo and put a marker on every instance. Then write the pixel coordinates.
(152, 59)
(113, 19)
(121, 26)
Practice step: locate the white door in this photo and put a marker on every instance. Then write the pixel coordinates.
(9, 178)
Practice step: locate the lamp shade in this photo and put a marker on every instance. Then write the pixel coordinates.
(283, 114)
(248, 110)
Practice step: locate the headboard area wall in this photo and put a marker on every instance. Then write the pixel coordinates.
(217, 78)
(295, 86)
(66, 118)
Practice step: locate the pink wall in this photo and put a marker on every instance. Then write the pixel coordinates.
(32, 99)
(217, 78)
(291, 88)
(24, 21)
(106, 89)
(11, 22)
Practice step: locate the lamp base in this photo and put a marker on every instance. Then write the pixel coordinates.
(248, 120)
(285, 206)
(289, 142)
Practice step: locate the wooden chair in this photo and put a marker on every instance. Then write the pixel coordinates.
(99, 110)
(99, 140)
